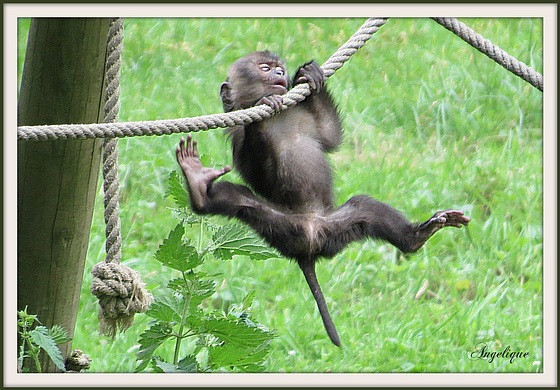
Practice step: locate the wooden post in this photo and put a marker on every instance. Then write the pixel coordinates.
(62, 83)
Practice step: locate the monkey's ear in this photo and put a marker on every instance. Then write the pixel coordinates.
(225, 93)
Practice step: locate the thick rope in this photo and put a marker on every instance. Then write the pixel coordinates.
(205, 122)
(120, 289)
(110, 145)
(494, 52)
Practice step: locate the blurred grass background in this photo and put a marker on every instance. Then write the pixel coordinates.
(430, 123)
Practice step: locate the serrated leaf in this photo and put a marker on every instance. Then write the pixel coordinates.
(176, 190)
(176, 254)
(194, 322)
(40, 336)
(228, 355)
(177, 285)
(167, 308)
(232, 240)
(186, 365)
(59, 334)
(246, 359)
(150, 340)
(237, 333)
(185, 216)
(193, 287)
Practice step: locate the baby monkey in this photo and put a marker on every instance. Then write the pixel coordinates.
(283, 159)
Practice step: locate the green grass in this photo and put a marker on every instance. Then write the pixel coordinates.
(430, 123)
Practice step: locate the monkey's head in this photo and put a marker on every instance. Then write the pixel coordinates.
(253, 77)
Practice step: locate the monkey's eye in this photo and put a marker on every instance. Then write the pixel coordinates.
(264, 67)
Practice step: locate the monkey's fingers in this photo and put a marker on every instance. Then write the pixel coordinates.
(180, 151)
(187, 153)
(212, 174)
(194, 147)
(273, 101)
(225, 170)
(313, 74)
(190, 150)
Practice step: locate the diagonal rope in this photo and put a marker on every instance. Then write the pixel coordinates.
(205, 122)
(494, 52)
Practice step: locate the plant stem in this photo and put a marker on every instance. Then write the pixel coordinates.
(34, 352)
(200, 234)
(183, 317)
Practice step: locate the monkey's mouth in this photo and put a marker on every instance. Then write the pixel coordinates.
(282, 84)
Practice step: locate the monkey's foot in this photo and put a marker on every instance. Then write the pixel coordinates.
(198, 177)
(441, 219)
(455, 218)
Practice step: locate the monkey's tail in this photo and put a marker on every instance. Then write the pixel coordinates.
(308, 269)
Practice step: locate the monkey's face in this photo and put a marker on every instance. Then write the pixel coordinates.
(253, 77)
(274, 77)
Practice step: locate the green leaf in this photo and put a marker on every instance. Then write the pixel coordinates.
(178, 285)
(176, 254)
(40, 336)
(26, 320)
(150, 340)
(176, 189)
(185, 216)
(59, 334)
(167, 308)
(237, 333)
(232, 240)
(188, 364)
(248, 301)
(231, 355)
(193, 287)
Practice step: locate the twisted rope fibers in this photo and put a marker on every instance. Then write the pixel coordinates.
(205, 122)
(486, 47)
(120, 289)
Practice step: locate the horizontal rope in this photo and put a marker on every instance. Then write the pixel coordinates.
(205, 122)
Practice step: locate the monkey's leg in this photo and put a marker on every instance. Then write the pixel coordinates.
(363, 216)
(286, 232)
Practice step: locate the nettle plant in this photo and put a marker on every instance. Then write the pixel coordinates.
(35, 338)
(203, 339)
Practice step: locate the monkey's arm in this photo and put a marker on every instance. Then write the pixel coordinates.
(224, 198)
(198, 178)
(320, 104)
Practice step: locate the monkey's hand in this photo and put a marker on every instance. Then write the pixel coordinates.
(273, 101)
(197, 176)
(311, 73)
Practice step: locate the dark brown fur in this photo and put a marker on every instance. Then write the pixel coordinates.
(283, 159)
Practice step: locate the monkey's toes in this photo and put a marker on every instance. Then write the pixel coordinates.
(456, 218)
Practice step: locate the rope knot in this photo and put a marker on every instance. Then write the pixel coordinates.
(121, 294)
(78, 361)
